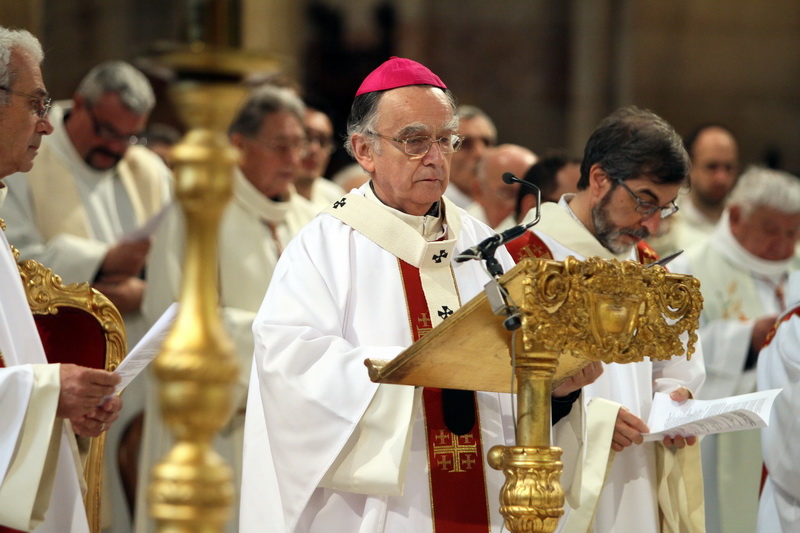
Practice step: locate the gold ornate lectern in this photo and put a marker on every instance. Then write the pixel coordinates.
(572, 312)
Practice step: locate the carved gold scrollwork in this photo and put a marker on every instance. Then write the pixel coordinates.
(609, 311)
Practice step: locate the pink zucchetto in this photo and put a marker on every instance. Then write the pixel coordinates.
(399, 72)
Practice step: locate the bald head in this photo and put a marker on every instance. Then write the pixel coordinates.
(497, 198)
(715, 166)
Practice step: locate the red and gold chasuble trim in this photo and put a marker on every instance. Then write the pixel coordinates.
(531, 246)
(456, 470)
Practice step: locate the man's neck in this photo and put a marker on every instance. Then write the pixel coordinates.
(711, 212)
(580, 206)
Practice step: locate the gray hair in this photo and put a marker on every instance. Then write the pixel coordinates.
(262, 102)
(364, 115)
(761, 186)
(9, 40)
(469, 112)
(122, 79)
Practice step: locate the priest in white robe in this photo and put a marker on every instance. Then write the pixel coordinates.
(76, 212)
(42, 405)
(326, 449)
(633, 167)
(779, 367)
(263, 216)
(742, 270)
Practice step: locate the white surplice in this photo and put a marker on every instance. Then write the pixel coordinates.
(737, 289)
(336, 299)
(253, 232)
(629, 497)
(779, 367)
(40, 474)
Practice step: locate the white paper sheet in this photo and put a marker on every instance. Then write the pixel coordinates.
(146, 349)
(148, 229)
(706, 417)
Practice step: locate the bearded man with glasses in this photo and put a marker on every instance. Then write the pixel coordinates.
(90, 187)
(633, 166)
(325, 448)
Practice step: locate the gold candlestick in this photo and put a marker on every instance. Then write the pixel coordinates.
(192, 488)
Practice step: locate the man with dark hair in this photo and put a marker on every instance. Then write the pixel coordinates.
(633, 166)
(42, 406)
(365, 279)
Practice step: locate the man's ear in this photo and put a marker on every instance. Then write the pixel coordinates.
(363, 152)
(599, 181)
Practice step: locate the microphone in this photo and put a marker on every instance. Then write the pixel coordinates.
(486, 248)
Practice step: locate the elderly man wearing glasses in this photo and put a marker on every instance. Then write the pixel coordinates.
(633, 167)
(91, 186)
(325, 448)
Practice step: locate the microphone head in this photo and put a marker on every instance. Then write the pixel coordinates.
(509, 178)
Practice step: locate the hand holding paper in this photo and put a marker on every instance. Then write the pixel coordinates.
(706, 417)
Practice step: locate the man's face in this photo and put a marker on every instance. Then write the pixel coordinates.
(21, 129)
(410, 184)
(271, 160)
(479, 135)
(617, 224)
(319, 131)
(102, 132)
(715, 167)
(766, 232)
(498, 198)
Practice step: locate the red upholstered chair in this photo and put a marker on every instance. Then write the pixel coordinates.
(78, 325)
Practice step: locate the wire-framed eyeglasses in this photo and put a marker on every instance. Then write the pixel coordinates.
(648, 208)
(43, 103)
(419, 145)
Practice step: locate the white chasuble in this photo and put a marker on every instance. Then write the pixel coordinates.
(324, 446)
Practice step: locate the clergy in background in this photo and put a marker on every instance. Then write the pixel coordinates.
(743, 269)
(42, 406)
(263, 216)
(326, 449)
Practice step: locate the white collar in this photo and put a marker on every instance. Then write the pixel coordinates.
(725, 243)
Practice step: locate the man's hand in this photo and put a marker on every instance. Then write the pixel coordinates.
(99, 419)
(585, 376)
(125, 292)
(680, 395)
(83, 389)
(126, 258)
(628, 430)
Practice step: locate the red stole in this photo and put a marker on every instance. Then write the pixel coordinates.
(457, 483)
(531, 246)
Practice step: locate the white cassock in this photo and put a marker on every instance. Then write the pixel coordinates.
(41, 479)
(737, 289)
(629, 499)
(66, 215)
(779, 367)
(253, 232)
(325, 448)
